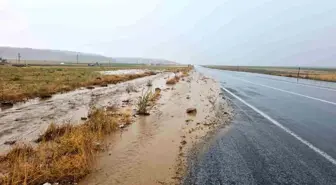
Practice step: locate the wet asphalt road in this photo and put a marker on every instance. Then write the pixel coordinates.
(254, 149)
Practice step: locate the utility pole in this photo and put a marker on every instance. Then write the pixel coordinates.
(19, 57)
(77, 58)
(298, 75)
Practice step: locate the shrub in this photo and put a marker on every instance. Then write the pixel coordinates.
(172, 81)
(144, 103)
(64, 154)
(149, 83)
(130, 88)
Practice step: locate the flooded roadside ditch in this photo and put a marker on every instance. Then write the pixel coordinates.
(152, 149)
(25, 121)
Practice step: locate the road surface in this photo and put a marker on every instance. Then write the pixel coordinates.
(282, 133)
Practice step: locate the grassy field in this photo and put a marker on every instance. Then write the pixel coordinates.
(23, 83)
(322, 74)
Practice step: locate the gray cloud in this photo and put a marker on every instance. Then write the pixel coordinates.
(230, 32)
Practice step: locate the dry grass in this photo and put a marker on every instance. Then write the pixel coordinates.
(174, 80)
(322, 74)
(156, 95)
(185, 73)
(143, 104)
(65, 153)
(146, 101)
(20, 84)
(179, 73)
(171, 81)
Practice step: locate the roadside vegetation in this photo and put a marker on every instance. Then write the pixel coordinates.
(64, 153)
(322, 74)
(22, 83)
(146, 101)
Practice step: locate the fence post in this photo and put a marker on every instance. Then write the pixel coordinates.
(298, 75)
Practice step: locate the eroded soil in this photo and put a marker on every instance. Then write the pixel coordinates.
(153, 150)
(25, 122)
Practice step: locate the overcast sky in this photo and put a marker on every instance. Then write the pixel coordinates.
(228, 32)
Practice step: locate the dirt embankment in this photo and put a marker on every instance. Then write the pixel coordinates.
(153, 150)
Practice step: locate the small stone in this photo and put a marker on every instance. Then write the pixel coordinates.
(191, 110)
(188, 97)
(126, 101)
(189, 120)
(7, 104)
(183, 142)
(47, 183)
(121, 126)
(10, 142)
(97, 144)
(83, 118)
(90, 87)
(103, 85)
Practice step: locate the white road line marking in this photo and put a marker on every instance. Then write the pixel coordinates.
(323, 154)
(290, 92)
(300, 84)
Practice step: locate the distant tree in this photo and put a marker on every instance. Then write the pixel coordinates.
(3, 60)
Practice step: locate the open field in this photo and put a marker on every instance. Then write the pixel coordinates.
(322, 74)
(22, 83)
(79, 64)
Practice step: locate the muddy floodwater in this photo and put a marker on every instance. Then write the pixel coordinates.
(25, 121)
(153, 150)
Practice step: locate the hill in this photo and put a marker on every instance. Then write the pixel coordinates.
(30, 54)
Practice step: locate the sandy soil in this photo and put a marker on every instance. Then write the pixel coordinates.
(24, 122)
(153, 150)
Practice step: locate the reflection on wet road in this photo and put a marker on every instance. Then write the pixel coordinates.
(282, 133)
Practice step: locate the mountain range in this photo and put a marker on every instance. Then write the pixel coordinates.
(30, 54)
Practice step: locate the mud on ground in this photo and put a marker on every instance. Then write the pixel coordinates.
(26, 121)
(153, 150)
